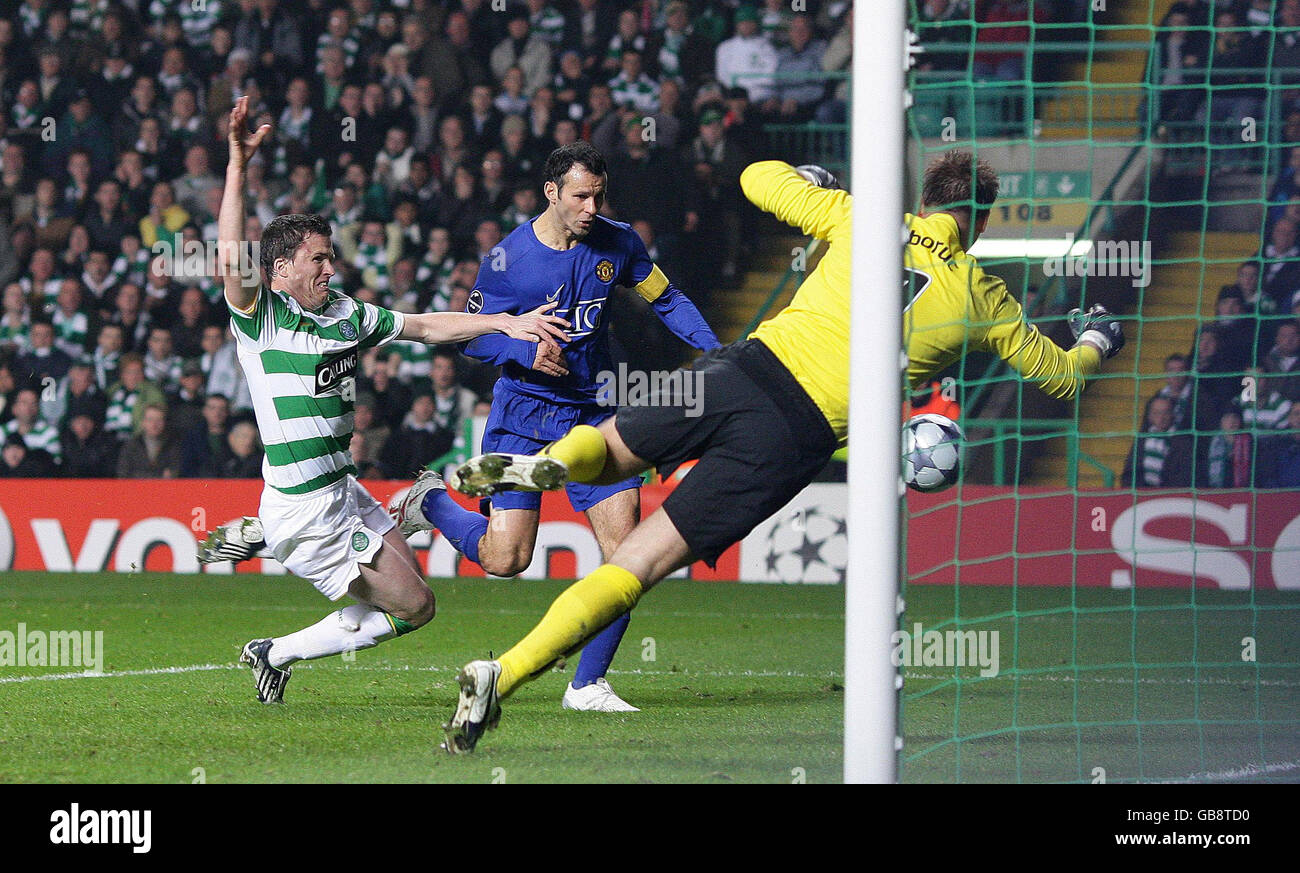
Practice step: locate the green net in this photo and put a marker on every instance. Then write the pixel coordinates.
(1112, 591)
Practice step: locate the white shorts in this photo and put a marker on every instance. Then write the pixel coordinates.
(326, 535)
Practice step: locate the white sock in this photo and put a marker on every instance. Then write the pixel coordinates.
(359, 626)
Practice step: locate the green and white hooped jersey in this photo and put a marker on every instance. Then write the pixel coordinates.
(301, 368)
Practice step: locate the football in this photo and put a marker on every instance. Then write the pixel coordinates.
(932, 452)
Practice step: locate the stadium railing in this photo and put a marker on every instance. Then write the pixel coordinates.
(1003, 430)
(1022, 108)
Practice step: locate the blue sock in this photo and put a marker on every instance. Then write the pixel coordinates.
(599, 653)
(462, 527)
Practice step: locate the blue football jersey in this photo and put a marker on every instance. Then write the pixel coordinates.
(524, 273)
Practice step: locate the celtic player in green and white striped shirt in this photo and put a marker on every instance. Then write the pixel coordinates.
(299, 343)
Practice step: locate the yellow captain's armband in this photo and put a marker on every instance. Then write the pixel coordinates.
(247, 313)
(653, 285)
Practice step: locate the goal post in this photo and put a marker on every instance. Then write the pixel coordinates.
(875, 393)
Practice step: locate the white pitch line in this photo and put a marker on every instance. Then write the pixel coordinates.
(1108, 680)
(90, 674)
(754, 674)
(199, 668)
(1247, 772)
(685, 673)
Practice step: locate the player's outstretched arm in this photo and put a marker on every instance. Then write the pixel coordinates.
(684, 319)
(778, 188)
(1060, 373)
(230, 220)
(1097, 328)
(436, 328)
(674, 308)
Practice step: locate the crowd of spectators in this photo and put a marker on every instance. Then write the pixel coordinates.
(1248, 54)
(1225, 415)
(417, 127)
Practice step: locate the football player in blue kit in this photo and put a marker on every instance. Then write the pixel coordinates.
(574, 257)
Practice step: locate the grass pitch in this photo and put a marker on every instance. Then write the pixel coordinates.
(738, 683)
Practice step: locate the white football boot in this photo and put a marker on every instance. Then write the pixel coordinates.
(596, 697)
(477, 711)
(234, 541)
(485, 475)
(269, 680)
(407, 510)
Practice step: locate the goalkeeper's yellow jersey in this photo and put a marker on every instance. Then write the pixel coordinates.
(959, 308)
(811, 335)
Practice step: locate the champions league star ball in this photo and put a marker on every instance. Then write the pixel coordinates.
(932, 451)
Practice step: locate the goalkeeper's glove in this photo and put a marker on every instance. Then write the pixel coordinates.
(819, 176)
(1098, 327)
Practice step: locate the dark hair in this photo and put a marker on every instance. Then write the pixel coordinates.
(958, 182)
(579, 152)
(282, 237)
(1146, 413)
(1180, 358)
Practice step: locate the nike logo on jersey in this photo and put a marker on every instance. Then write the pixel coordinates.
(551, 298)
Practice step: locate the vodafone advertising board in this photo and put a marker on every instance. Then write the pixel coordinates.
(991, 536)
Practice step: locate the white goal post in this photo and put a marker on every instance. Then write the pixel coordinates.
(875, 392)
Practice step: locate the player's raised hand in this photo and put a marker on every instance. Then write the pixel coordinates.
(243, 145)
(819, 176)
(537, 326)
(1097, 327)
(550, 360)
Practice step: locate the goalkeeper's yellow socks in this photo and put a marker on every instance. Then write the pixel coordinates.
(582, 451)
(578, 614)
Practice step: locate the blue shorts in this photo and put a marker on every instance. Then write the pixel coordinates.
(521, 424)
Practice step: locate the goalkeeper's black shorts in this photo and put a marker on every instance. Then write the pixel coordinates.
(759, 439)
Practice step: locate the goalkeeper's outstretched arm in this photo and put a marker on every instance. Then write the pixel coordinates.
(778, 188)
(1060, 373)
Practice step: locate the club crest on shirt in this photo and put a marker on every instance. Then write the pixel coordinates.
(347, 330)
(605, 270)
(475, 302)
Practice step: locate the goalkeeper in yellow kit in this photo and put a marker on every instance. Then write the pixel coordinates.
(774, 407)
